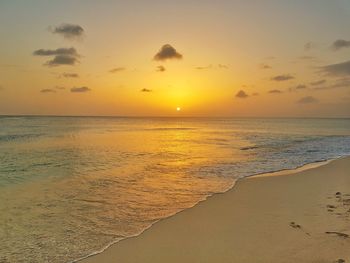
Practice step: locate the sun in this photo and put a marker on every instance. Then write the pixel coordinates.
(178, 109)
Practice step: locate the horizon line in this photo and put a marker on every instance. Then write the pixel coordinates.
(170, 116)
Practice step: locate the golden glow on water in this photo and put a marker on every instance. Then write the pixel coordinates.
(71, 186)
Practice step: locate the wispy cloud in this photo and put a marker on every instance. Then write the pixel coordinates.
(339, 69)
(298, 87)
(307, 100)
(242, 94)
(222, 66)
(62, 56)
(48, 91)
(161, 68)
(282, 77)
(68, 31)
(309, 46)
(80, 89)
(167, 52)
(318, 82)
(340, 83)
(340, 44)
(275, 91)
(146, 90)
(70, 75)
(306, 57)
(204, 67)
(264, 66)
(301, 86)
(54, 52)
(115, 70)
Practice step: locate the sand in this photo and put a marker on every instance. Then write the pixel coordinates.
(297, 217)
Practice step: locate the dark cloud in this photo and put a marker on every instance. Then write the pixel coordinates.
(318, 82)
(62, 56)
(47, 91)
(80, 89)
(282, 77)
(115, 70)
(69, 31)
(167, 52)
(241, 94)
(54, 52)
(161, 68)
(339, 69)
(62, 60)
(307, 100)
(309, 46)
(339, 44)
(275, 91)
(146, 90)
(264, 66)
(255, 94)
(70, 75)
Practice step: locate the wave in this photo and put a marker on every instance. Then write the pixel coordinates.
(14, 137)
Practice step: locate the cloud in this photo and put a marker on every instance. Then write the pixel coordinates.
(54, 52)
(275, 91)
(339, 69)
(255, 94)
(61, 60)
(307, 100)
(62, 56)
(309, 45)
(167, 52)
(318, 82)
(339, 44)
(340, 83)
(69, 31)
(80, 89)
(146, 90)
(70, 75)
(241, 94)
(47, 91)
(307, 58)
(205, 67)
(161, 68)
(282, 77)
(301, 86)
(115, 70)
(264, 66)
(222, 66)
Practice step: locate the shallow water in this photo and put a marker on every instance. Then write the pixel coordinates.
(69, 186)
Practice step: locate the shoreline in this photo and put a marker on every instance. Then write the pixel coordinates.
(96, 256)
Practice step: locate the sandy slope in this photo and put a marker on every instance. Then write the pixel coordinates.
(262, 219)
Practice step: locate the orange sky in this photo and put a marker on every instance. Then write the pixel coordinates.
(146, 58)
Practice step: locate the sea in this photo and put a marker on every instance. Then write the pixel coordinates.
(72, 186)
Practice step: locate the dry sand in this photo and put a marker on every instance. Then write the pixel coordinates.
(297, 217)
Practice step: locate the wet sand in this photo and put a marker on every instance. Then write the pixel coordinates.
(296, 217)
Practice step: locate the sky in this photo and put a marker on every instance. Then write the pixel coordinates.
(273, 58)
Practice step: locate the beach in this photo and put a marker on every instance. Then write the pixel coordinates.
(295, 217)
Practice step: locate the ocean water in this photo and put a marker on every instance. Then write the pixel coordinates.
(71, 186)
